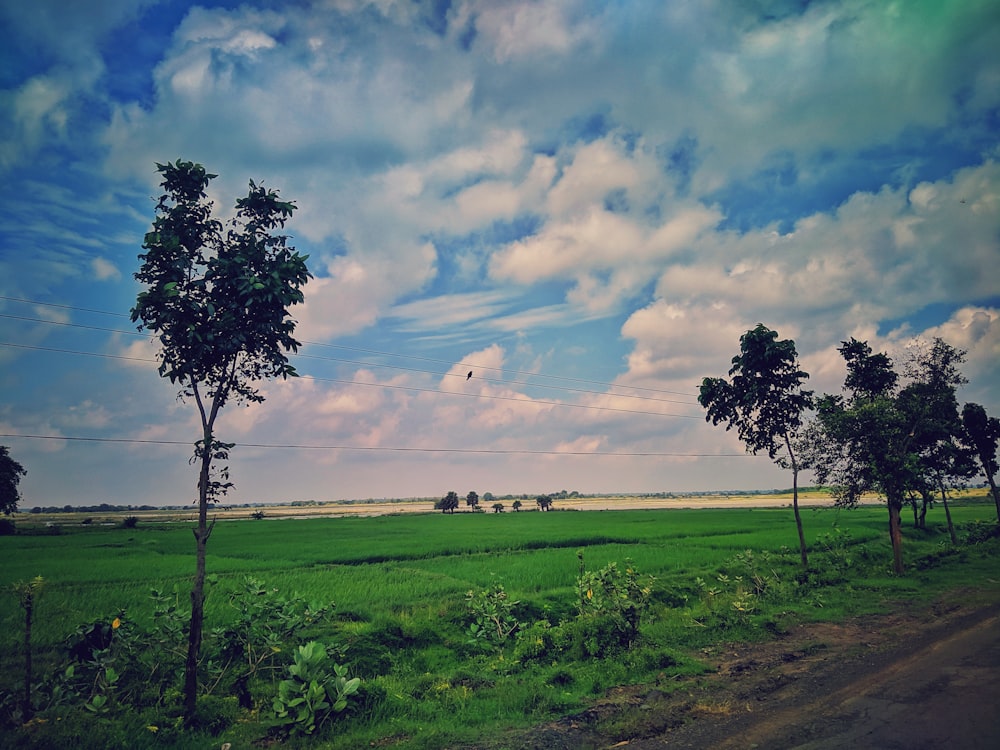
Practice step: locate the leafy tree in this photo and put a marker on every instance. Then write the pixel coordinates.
(869, 437)
(931, 407)
(497, 507)
(982, 433)
(10, 477)
(448, 503)
(764, 401)
(472, 499)
(217, 299)
(516, 505)
(544, 502)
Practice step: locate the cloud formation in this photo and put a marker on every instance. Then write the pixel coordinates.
(585, 203)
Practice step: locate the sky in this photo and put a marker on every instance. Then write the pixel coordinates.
(585, 204)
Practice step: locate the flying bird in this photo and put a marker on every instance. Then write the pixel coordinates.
(469, 376)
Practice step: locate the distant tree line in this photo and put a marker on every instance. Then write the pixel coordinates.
(102, 508)
(451, 502)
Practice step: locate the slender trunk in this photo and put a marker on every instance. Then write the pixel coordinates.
(803, 553)
(201, 534)
(896, 533)
(947, 515)
(996, 497)
(923, 509)
(913, 505)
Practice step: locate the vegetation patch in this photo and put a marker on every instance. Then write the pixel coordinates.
(471, 636)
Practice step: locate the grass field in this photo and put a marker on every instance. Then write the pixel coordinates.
(399, 583)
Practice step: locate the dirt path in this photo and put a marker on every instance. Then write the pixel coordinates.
(923, 677)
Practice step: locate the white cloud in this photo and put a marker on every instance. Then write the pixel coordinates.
(515, 31)
(104, 270)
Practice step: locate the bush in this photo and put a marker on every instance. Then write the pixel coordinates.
(130, 522)
(978, 532)
(312, 693)
(492, 613)
(7, 527)
(536, 642)
(611, 605)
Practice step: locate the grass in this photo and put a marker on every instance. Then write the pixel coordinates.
(399, 585)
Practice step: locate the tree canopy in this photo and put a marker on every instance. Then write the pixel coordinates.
(764, 401)
(10, 477)
(879, 436)
(982, 433)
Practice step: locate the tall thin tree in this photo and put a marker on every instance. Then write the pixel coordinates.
(217, 301)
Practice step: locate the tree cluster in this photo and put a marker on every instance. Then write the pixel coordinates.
(899, 435)
(451, 501)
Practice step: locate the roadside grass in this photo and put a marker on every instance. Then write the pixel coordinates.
(399, 584)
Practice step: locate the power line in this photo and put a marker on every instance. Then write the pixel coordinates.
(64, 307)
(364, 364)
(73, 351)
(394, 449)
(69, 325)
(363, 350)
(526, 400)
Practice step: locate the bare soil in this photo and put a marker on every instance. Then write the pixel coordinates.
(924, 676)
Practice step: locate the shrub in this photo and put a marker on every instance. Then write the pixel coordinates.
(492, 613)
(611, 603)
(7, 527)
(312, 693)
(978, 532)
(536, 642)
(130, 522)
(253, 642)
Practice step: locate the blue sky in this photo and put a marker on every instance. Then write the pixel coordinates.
(584, 203)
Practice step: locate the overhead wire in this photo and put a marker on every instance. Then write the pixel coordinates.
(527, 400)
(362, 364)
(491, 396)
(377, 352)
(396, 449)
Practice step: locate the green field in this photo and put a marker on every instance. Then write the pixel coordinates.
(401, 622)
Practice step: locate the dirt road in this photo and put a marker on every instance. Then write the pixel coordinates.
(923, 677)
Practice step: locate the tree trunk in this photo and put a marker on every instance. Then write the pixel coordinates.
(923, 509)
(996, 497)
(913, 505)
(201, 534)
(896, 534)
(947, 515)
(803, 553)
(798, 518)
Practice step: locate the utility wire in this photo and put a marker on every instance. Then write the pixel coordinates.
(368, 364)
(64, 307)
(526, 400)
(396, 449)
(354, 348)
